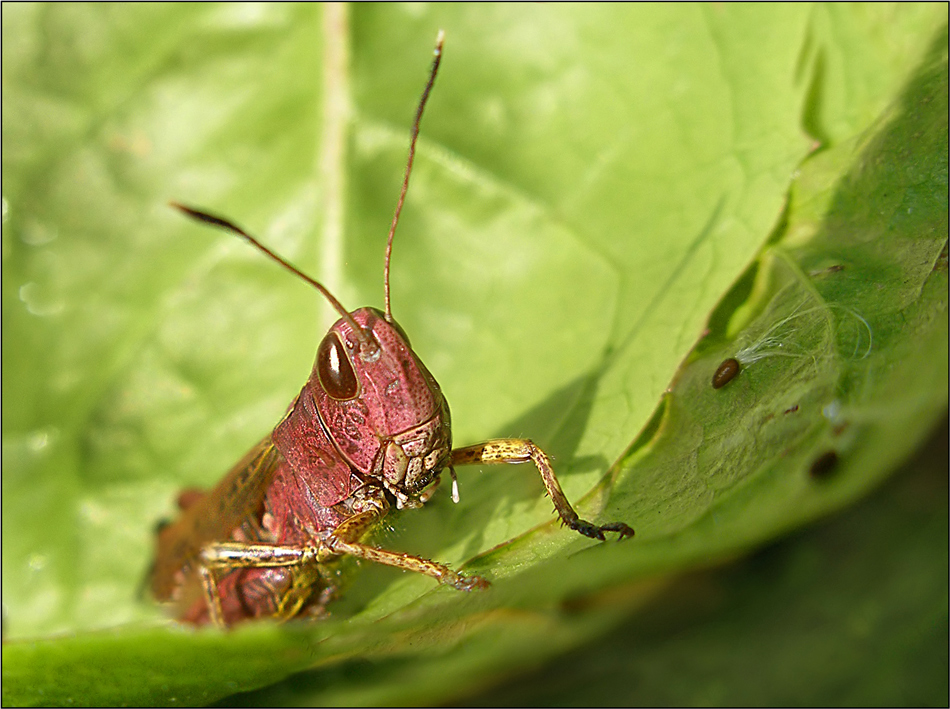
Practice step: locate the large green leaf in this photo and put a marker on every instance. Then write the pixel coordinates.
(851, 612)
(589, 184)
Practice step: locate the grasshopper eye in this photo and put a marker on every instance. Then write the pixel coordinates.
(334, 369)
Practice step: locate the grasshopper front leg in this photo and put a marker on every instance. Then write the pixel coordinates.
(518, 450)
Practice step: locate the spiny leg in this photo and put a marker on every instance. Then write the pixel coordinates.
(209, 585)
(517, 450)
(230, 556)
(440, 572)
(235, 555)
(297, 598)
(345, 540)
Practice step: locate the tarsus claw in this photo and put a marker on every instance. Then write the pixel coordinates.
(597, 532)
(471, 583)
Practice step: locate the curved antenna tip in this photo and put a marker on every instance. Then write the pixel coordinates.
(414, 134)
(366, 340)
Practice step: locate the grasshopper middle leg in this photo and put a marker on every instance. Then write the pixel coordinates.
(229, 556)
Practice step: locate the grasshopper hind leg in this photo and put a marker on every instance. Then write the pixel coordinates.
(232, 595)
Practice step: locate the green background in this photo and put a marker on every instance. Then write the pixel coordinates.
(607, 202)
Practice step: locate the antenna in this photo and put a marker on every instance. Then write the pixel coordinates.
(412, 154)
(366, 341)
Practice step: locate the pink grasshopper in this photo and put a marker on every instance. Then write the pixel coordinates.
(369, 431)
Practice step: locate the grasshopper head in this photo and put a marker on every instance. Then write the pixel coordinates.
(381, 407)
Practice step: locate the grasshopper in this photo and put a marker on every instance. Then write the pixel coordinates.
(370, 431)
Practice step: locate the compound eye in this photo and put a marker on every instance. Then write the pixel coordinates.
(334, 369)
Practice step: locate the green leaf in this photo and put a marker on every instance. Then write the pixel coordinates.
(590, 183)
(850, 612)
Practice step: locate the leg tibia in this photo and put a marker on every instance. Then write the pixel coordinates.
(440, 572)
(517, 450)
